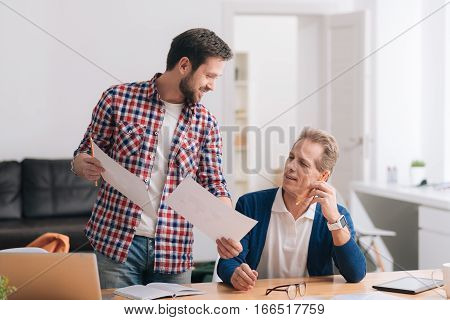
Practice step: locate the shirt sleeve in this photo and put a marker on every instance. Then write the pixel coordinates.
(348, 258)
(209, 173)
(226, 267)
(101, 127)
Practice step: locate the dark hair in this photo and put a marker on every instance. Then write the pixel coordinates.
(197, 45)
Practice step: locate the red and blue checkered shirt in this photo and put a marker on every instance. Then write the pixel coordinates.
(125, 125)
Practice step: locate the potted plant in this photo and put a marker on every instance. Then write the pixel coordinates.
(417, 172)
(5, 288)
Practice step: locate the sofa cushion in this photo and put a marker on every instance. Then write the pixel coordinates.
(50, 189)
(10, 199)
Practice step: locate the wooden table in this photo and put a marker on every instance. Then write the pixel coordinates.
(317, 288)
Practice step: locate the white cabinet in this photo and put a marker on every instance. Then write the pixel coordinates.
(434, 237)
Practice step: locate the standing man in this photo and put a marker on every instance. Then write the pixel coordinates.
(160, 132)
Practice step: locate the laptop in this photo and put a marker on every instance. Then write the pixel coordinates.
(56, 276)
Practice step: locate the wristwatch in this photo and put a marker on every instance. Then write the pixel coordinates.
(339, 224)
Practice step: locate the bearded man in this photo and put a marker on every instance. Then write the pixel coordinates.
(160, 132)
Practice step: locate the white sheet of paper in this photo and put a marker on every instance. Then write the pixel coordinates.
(126, 182)
(207, 213)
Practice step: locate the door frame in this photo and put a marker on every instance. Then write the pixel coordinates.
(230, 10)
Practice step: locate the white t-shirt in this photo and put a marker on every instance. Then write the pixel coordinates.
(285, 252)
(147, 226)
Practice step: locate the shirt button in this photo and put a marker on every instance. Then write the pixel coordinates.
(155, 133)
(130, 131)
(146, 180)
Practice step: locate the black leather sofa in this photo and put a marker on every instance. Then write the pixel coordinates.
(39, 196)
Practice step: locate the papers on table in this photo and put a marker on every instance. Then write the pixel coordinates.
(207, 213)
(126, 182)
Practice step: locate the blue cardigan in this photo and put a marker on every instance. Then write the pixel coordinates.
(348, 258)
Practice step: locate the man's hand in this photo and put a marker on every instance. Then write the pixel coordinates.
(87, 167)
(326, 196)
(228, 248)
(244, 278)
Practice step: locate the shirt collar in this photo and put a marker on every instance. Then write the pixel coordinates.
(154, 95)
(280, 207)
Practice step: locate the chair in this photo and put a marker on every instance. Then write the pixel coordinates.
(370, 250)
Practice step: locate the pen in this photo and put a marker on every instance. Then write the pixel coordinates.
(92, 152)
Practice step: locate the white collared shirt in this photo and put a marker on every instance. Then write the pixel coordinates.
(285, 252)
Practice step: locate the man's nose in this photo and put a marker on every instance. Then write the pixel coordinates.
(290, 165)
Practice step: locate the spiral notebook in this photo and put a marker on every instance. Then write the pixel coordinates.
(156, 290)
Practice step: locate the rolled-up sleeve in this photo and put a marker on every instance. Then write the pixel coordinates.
(210, 174)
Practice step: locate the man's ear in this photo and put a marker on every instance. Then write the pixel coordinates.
(324, 176)
(184, 65)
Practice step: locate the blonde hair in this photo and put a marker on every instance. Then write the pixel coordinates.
(329, 144)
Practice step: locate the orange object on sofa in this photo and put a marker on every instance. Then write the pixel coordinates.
(52, 242)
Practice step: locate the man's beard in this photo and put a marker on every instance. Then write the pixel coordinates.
(187, 90)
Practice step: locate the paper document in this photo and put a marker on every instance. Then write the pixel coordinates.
(126, 182)
(207, 213)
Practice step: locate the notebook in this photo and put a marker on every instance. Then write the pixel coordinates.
(156, 290)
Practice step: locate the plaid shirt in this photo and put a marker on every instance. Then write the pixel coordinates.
(125, 125)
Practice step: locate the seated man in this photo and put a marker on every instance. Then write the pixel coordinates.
(301, 229)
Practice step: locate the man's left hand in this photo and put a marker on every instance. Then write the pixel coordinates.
(228, 248)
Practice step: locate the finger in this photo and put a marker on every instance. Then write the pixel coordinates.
(317, 199)
(235, 284)
(235, 244)
(229, 246)
(246, 268)
(92, 170)
(322, 185)
(94, 161)
(229, 250)
(238, 283)
(93, 176)
(222, 253)
(255, 273)
(238, 286)
(319, 193)
(222, 250)
(242, 282)
(243, 274)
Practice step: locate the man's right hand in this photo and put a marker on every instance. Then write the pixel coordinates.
(87, 167)
(244, 278)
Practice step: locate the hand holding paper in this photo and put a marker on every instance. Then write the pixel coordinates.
(208, 213)
(123, 180)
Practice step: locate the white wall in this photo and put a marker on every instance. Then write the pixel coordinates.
(48, 92)
(410, 88)
(398, 92)
(435, 97)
